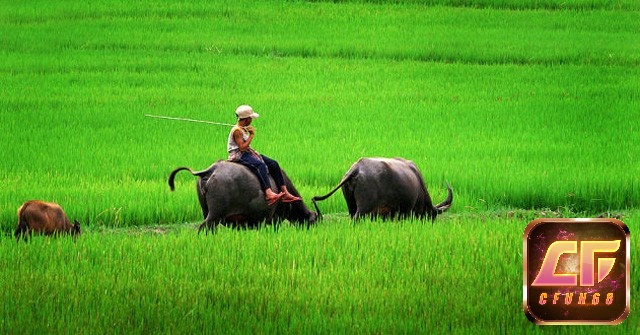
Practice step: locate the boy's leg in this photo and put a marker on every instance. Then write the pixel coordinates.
(276, 173)
(259, 169)
(274, 170)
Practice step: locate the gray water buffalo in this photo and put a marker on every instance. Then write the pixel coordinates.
(47, 218)
(229, 194)
(387, 188)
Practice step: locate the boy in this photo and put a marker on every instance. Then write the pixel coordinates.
(240, 151)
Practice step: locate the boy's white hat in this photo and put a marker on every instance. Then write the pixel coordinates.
(245, 111)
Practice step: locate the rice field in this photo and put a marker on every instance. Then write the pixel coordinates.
(403, 277)
(528, 108)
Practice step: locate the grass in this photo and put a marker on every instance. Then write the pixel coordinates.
(526, 107)
(337, 277)
(497, 133)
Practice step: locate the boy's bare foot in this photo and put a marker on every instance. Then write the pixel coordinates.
(288, 197)
(272, 197)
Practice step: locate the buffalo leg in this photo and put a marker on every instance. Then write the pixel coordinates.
(209, 225)
(201, 196)
(351, 204)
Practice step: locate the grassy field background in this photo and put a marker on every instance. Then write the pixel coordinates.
(461, 275)
(528, 108)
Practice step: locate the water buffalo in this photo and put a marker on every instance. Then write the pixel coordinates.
(229, 193)
(46, 218)
(387, 188)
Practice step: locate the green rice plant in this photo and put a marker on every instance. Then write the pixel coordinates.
(461, 274)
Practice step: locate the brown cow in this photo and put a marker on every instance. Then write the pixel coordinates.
(39, 217)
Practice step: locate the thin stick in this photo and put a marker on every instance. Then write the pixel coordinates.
(189, 120)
